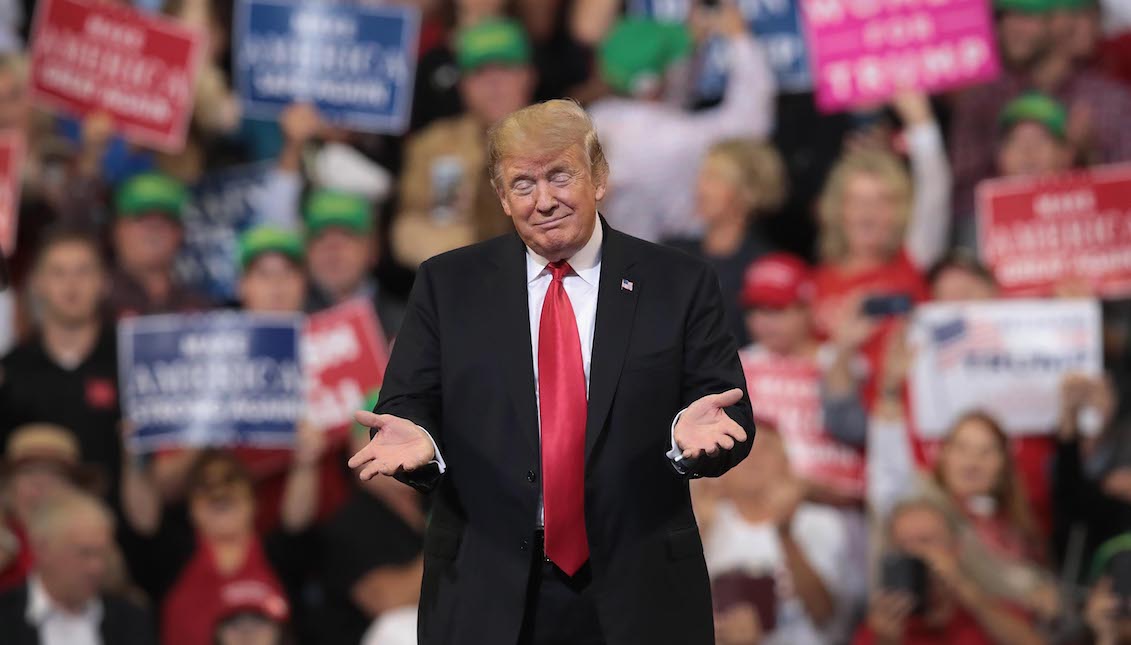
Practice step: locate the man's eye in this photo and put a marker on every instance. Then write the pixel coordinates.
(560, 178)
(523, 187)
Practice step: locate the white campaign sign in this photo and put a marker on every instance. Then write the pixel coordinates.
(1004, 357)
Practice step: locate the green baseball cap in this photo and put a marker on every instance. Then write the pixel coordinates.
(332, 208)
(269, 239)
(150, 192)
(1038, 108)
(639, 49)
(1028, 6)
(1106, 552)
(495, 41)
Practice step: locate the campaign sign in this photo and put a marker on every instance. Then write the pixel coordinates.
(11, 167)
(865, 51)
(215, 379)
(222, 205)
(1004, 357)
(788, 392)
(354, 62)
(138, 68)
(777, 24)
(1036, 232)
(344, 354)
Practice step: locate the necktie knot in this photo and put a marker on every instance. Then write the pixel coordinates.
(559, 269)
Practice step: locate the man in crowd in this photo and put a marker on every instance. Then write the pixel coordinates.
(341, 252)
(561, 510)
(62, 603)
(1099, 126)
(66, 372)
(655, 148)
(147, 237)
(954, 608)
(446, 196)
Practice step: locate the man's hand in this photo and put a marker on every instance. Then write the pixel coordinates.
(300, 123)
(399, 445)
(705, 428)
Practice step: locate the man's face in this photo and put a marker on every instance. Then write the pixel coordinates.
(73, 563)
(147, 243)
(1030, 149)
(248, 629)
(552, 201)
(33, 483)
(273, 283)
(494, 91)
(68, 283)
(1025, 38)
(338, 261)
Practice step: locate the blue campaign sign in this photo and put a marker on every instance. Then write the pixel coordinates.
(222, 205)
(355, 63)
(777, 23)
(215, 379)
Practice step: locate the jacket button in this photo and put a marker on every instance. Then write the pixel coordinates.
(525, 545)
(531, 476)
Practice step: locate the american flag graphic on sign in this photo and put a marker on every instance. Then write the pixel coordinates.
(959, 337)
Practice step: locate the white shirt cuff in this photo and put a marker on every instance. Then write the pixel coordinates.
(439, 460)
(675, 454)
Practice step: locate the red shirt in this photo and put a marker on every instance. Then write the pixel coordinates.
(833, 286)
(961, 630)
(15, 573)
(194, 604)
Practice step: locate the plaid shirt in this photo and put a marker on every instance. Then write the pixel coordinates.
(975, 135)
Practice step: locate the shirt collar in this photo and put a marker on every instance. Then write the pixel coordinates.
(586, 262)
(40, 607)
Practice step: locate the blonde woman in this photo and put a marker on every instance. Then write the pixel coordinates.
(881, 228)
(739, 180)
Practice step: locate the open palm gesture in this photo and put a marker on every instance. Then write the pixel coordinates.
(705, 428)
(399, 445)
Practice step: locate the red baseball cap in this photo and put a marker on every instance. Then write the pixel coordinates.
(776, 280)
(254, 596)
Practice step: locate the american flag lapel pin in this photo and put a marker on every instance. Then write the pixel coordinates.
(626, 284)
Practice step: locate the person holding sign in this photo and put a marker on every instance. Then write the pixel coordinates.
(341, 252)
(147, 238)
(554, 389)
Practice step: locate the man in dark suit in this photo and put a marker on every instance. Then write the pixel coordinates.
(556, 388)
(72, 537)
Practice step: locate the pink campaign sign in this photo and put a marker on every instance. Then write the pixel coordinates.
(864, 51)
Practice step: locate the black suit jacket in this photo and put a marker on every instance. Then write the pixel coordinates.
(462, 369)
(122, 622)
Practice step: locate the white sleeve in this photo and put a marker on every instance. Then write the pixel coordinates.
(929, 225)
(675, 454)
(439, 460)
(277, 203)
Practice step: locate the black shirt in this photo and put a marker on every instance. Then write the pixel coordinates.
(730, 270)
(84, 400)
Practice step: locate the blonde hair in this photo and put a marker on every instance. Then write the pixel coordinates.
(761, 171)
(882, 165)
(551, 128)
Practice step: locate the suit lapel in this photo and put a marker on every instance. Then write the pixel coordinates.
(616, 305)
(513, 342)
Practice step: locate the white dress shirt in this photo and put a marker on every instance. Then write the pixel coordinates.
(581, 286)
(58, 626)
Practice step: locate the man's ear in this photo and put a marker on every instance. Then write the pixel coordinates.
(602, 187)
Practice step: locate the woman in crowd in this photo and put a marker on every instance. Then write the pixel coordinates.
(772, 556)
(739, 180)
(881, 227)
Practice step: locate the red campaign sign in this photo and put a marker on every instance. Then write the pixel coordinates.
(787, 393)
(11, 164)
(1037, 232)
(138, 68)
(344, 354)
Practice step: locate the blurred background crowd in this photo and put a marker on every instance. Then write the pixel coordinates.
(982, 537)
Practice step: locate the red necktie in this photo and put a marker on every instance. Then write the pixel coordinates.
(562, 403)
